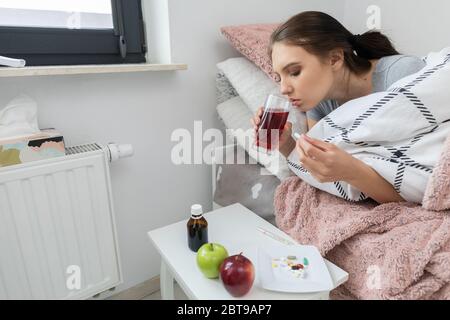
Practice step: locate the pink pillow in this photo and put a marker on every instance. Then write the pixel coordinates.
(252, 41)
(437, 194)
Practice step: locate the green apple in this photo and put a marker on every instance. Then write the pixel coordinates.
(209, 258)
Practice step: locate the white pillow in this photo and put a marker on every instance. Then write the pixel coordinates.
(250, 82)
(236, 115)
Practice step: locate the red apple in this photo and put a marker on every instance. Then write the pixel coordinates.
(237, 274)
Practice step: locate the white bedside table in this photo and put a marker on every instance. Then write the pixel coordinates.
(235, 228)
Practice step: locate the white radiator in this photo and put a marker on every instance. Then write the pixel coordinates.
(57, 231)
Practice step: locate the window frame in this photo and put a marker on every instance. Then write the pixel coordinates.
(125, 43)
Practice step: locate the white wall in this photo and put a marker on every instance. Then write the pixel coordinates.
(415, 26)
(144, 109)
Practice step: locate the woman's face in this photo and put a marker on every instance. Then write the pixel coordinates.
(304, 78)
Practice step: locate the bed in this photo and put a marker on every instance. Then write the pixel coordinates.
(295, 200)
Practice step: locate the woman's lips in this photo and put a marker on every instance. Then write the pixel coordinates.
(296, 102)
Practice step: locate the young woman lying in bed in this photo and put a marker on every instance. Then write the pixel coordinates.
(321, 65)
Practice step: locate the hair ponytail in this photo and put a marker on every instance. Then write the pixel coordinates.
(372, 45)
(319, 33)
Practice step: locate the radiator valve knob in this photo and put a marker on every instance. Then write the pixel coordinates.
(119, 151)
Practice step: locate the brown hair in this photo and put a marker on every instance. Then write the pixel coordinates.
(319, 33)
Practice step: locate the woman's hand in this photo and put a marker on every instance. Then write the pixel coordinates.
(286, 142)
(325, 161)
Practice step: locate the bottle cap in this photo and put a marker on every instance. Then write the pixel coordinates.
(196, 210)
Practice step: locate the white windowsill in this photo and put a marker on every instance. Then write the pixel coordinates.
(87, 69)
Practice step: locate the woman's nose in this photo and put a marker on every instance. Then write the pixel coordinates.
(285, 88)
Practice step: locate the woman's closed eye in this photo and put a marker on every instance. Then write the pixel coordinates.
(295, 73)
(291, 74)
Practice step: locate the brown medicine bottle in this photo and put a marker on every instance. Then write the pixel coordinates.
(197, 228)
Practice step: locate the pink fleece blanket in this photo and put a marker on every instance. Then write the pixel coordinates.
(391, 251)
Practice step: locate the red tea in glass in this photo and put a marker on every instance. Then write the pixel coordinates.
(276, 112)
(267, 135)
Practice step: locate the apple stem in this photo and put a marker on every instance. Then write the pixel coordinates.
(212, 248)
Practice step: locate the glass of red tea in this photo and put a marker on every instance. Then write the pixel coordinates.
(273, 120)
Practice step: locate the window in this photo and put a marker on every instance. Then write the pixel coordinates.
(71, 32)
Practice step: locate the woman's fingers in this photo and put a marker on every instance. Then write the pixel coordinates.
(256, 120)
(318, 143)
(288, 126)
(257, 117)
(312, 159)
(306, 161)
(301, 154)
(311, 151)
